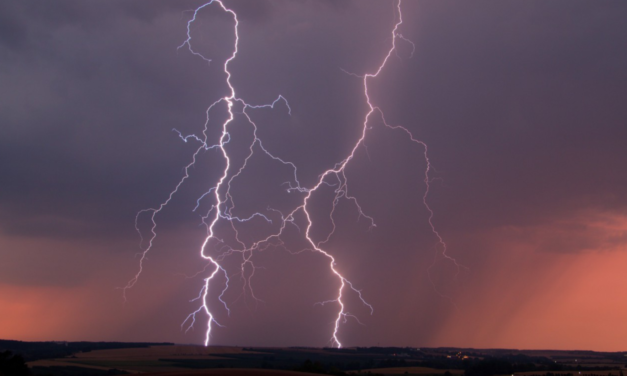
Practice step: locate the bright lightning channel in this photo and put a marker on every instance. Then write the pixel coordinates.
(223, 202)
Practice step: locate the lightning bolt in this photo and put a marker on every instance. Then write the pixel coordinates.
(223, 202)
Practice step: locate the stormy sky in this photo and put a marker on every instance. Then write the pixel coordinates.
(521, 104)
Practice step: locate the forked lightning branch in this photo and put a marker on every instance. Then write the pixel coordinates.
(214, 250)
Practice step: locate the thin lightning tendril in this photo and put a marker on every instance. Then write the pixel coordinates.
(223, 202)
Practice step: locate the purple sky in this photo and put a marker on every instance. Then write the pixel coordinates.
(522, 104)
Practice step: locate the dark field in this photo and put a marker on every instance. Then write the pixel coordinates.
(96, 359)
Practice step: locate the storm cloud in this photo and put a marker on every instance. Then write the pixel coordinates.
(521, 104)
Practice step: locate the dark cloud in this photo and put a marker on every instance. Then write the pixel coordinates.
(520, 102)
(524, 103)
(257, 11)
(12, 32)
(74, 114)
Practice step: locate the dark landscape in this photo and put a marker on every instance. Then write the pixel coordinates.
(118, 358)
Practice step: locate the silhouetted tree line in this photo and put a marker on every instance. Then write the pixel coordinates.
(619, 356)
(48, 350)
(13, 365)
(383, 350)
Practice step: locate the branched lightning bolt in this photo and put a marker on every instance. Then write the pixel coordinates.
(224, 203)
